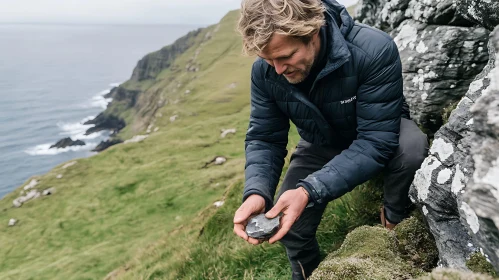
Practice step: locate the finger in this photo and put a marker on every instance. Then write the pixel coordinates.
(242, 214)
(285, 227)
(239, 231)
(278, 207)
(254, 241)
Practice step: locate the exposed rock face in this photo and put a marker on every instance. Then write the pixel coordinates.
(441, 52)
(388, 14)
(483, 12)
(126, 97)
(106, 144)
(454, 186)
(439, 63)
(482, 193)
(445, 56)
(104, 121)
(153, 63)
(67, 142)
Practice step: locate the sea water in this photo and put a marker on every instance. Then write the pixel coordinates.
(53, 78)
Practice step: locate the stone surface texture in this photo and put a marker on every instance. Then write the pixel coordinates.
(483, 12)
(260, 227)
(448, 51)
(440, 50)
(482, 193)
(456, 184)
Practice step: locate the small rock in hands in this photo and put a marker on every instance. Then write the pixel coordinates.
(259, 227)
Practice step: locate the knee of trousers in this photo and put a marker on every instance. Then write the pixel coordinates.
(413, 151)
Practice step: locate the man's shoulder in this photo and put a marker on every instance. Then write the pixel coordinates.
(259, 68)
(369, 40)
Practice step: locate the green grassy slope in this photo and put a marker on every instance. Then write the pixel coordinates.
(109, 207)
(136, 211)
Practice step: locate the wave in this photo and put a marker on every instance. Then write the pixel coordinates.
(76, 130)
(99, 100)
(44, 149)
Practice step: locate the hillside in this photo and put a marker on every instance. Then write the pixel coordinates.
(136, 210)
(108, 209)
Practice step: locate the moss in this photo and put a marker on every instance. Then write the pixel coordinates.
(478, 263)
(366, 252)
(453, 274)
(416, 243)
(447, 111)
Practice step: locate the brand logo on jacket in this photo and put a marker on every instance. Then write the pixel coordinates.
(349, 100)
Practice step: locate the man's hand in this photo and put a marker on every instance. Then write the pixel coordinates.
(253, 205)
(291, 204)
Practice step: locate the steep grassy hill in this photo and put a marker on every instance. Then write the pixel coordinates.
(145, 210)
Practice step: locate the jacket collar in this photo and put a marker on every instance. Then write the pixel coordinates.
(339, 24)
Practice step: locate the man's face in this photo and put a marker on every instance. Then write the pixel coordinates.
(291, 57)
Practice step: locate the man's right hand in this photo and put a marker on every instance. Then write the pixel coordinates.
(253, 205)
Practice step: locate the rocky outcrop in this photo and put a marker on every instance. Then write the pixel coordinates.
(127, 98)
(105, 121)
(445, 56)
(152, 64)
(482, 192)
(485, 13)
(441, 52)
(106, 144)
(67, 142)
(458, 183)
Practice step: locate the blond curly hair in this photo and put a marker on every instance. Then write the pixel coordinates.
(260, 19)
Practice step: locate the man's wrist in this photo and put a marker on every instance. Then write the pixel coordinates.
(304, 191)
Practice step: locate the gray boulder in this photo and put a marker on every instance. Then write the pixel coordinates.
(444, 183)
(67, 142)
(483, 12)
(438, 63)
(481, 199)
(441, 52)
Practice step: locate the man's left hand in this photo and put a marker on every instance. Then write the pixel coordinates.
(291, 204)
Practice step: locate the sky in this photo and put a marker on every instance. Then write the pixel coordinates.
(196, 12)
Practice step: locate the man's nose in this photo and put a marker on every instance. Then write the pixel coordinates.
(280, 68)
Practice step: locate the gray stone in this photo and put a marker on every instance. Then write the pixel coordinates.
(438, 65)
(48, 191)
(440, 50)
(483, 12)
(260, 227)
(482, 194)
(12, 222)
(445, 181)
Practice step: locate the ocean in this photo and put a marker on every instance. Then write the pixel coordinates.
(53, 78)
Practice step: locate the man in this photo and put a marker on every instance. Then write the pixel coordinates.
(340, 83)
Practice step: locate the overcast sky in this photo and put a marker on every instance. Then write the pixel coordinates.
(120, 11)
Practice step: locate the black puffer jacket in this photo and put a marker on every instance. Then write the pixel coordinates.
(360, 103)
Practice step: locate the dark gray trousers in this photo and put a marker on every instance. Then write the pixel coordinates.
(300, 242)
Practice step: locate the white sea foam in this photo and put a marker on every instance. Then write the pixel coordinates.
(99, 100)
(77, 130)
(44, 149)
